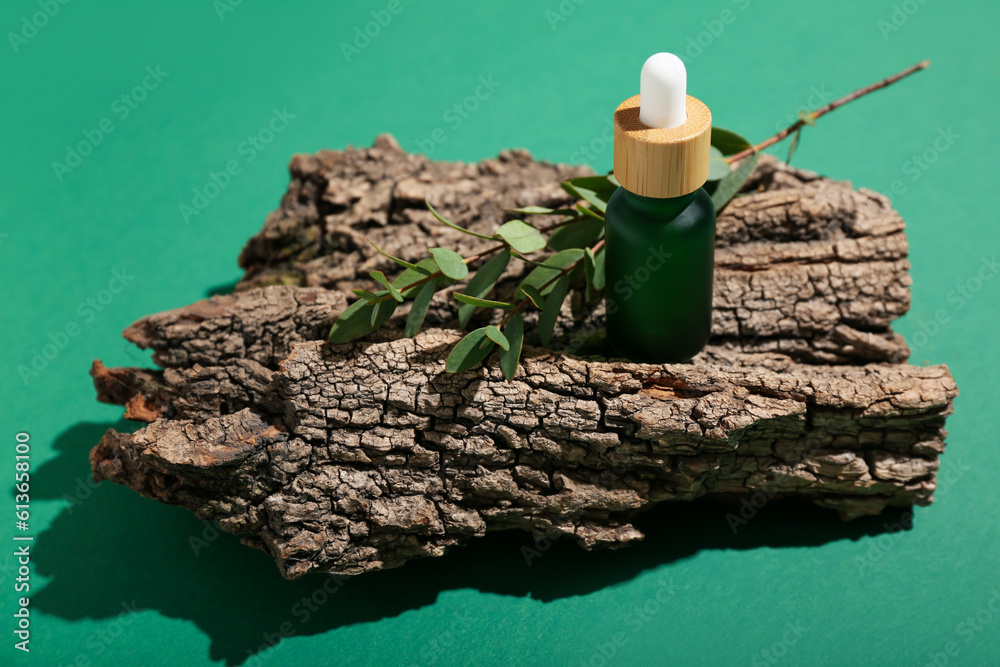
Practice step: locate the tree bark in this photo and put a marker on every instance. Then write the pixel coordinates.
(358, 457)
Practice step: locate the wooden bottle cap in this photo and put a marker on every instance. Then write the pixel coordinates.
(653, 162)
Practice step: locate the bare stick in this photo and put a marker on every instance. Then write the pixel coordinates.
(822, 111)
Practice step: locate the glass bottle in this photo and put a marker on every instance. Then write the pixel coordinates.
(659, 260)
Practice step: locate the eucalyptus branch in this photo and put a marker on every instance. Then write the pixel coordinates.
(563, 272)
(811, 117)
(578, 238)
(405, 288)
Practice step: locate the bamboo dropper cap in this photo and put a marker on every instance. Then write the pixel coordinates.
(658, 162)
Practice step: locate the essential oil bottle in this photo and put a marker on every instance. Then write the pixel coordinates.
(660, 222)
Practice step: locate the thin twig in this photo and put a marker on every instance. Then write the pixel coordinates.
(822, 111)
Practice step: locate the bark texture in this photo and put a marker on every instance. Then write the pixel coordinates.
(359, 457)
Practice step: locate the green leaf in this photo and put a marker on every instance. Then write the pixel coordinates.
(450, 262)
(528, 259)
(366, 295)
(792, 146)
(580, 234)
(589, 195)
(718, 168)
(594, 265)
(402, 262)
(727, 141)
(476, 302)
(731, 184)
(596, 190)
(381, 279)
(453, 225)
(534, 296)
(589, 265)
(468, 352)
(541, 275)
(497, 337)
(356, 320)
(375, 308)
(418, 311)
(586, 210)
(510, 357)
(482, 283)
(539, 210)
(521, 236)
(547, 320)
(404, 282)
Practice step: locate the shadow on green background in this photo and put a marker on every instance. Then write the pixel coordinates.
(152, 557)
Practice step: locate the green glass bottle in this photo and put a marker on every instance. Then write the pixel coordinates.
(660, 223)
(659, 259)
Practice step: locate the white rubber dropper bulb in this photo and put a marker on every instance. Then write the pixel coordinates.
(663, 91)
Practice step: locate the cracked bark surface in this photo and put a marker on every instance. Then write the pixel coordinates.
(358, 457)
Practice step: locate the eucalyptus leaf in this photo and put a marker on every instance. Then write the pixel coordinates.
(586, 210)
(534, 296)
(598, 280)
(554, 265)
(510, 357)
(357, 320)
(521, 236)
(718, 168)
(452, 224)
(596, 190)
(468, 352)
(381, 279)
(727, 141)
(418, 311)
(481, 303)
(540, 210)
(366, 295)
(553, 304)
(497, 337)
(450, 262)
(793, 145)
(481, 284)
(402, 262)
(405, 281)
(531, 261)
(589, 265)
(354, 322)
(582, 234)
(731, 184)
(590, 196)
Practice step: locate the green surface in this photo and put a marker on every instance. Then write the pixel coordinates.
(792, 580)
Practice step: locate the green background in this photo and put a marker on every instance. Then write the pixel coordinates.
(794, 581)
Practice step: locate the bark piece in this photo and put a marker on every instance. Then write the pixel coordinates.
(358, 457)
(371, 454)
